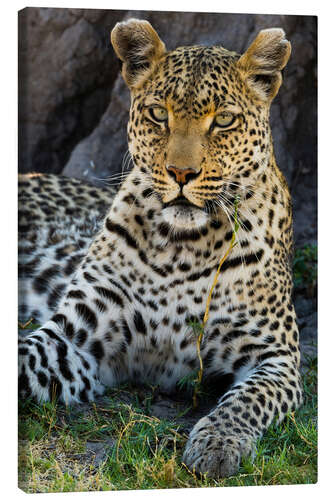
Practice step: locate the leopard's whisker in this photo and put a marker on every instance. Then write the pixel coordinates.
(242, 229)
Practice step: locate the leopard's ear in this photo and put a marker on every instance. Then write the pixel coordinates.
(261, 64)
(138, 46)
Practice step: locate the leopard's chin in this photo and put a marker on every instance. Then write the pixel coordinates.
(185, 217)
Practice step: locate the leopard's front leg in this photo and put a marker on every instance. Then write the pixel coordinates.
(51, 366)
(218, 441)
(69, 356)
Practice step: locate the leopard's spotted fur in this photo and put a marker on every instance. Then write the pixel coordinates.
(199, 135)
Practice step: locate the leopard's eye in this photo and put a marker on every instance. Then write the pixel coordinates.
(158, 114)
(224, 120)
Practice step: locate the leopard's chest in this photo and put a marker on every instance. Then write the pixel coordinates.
(163, 325)
(157, 324)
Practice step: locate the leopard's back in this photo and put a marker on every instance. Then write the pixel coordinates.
(57, 219)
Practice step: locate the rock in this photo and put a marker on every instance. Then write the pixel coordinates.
(303, 306)
(307, 319)
(308, 328)
(165, 408)
(66, 72)
(308, 335)
(308, 351)
(98, 157)
(100, 450)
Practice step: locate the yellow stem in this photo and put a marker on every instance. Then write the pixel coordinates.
(23, 326)
(209, 298)
(205, 319)
(200, 372)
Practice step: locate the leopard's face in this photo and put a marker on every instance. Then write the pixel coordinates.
(199, 134)
(198, 128)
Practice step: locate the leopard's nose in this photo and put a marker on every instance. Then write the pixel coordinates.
(182, 175)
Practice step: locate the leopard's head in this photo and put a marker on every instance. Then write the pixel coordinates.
(199, 120)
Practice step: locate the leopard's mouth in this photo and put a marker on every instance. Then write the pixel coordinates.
(182, 214)
(180, 201)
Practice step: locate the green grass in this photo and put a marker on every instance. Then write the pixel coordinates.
(305, 266)
(144, 452)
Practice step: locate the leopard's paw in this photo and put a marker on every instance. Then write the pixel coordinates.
(215, 453)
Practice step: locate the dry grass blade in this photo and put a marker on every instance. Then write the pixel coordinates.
(292, 417)
(131, 423)
(23, 326)
(201, 327)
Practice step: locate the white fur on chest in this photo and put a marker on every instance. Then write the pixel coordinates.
(166, 351)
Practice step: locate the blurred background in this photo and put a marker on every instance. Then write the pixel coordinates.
(73, 107)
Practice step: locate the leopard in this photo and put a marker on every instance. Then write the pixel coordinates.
(116, 279)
